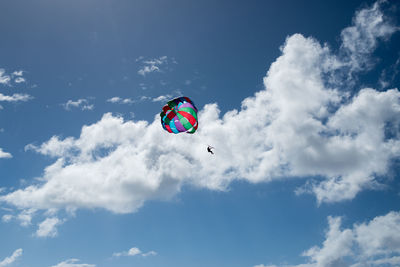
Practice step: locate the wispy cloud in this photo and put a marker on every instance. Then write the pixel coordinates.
(7, 218)
(152, 65)
(360, 39)
(15, 97)
(19, 80)
(73, 263)
(143, 86)
(48, 228)
(388, 75)
(4, 78)
(119, 100)
(150, 253)
(82, 104)
(18, 73)
(9, 260)
(133, 252)
(4, 154)
(24, 218)
(16, 77)
(162, 98)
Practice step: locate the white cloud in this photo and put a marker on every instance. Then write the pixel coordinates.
(139, 58)
(114, 99)
(389, 74)
(25, 217)
(7, 218)
(148, 69)
(376, 243)
(54, 147)
(4, 154)
(131, 252)
(298, 126)
(152, 65)
(73, 263)
(337, 245)
(162, 98)
(16, 77)
(393, 261)
(143, 86)
(9, 260)
(134, 252)
(15, 97)
(4, 78)
(359, 40)
(47, 228)
(379, 237)
(18, 73)
(82, 103)
(150, 253)
(119, 100)
(143, 98)
(19, 80)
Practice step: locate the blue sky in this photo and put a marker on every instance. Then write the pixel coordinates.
(300, 101)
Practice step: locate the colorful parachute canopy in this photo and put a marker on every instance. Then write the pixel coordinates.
(179, 115)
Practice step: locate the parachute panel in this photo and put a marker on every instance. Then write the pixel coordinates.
(179, 115)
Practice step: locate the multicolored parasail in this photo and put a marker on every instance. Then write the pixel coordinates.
(179, 115)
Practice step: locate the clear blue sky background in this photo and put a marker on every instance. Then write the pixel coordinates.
(216, 52)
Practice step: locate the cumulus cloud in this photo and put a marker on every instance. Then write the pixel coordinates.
(133, 252)
(9, 260)
(4, 154)
(73, 263)
(374, 243)
(82, 104)
(298, 126)
(15, 97)
(152, 65)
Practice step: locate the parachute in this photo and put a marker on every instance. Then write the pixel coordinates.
(179, 115)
